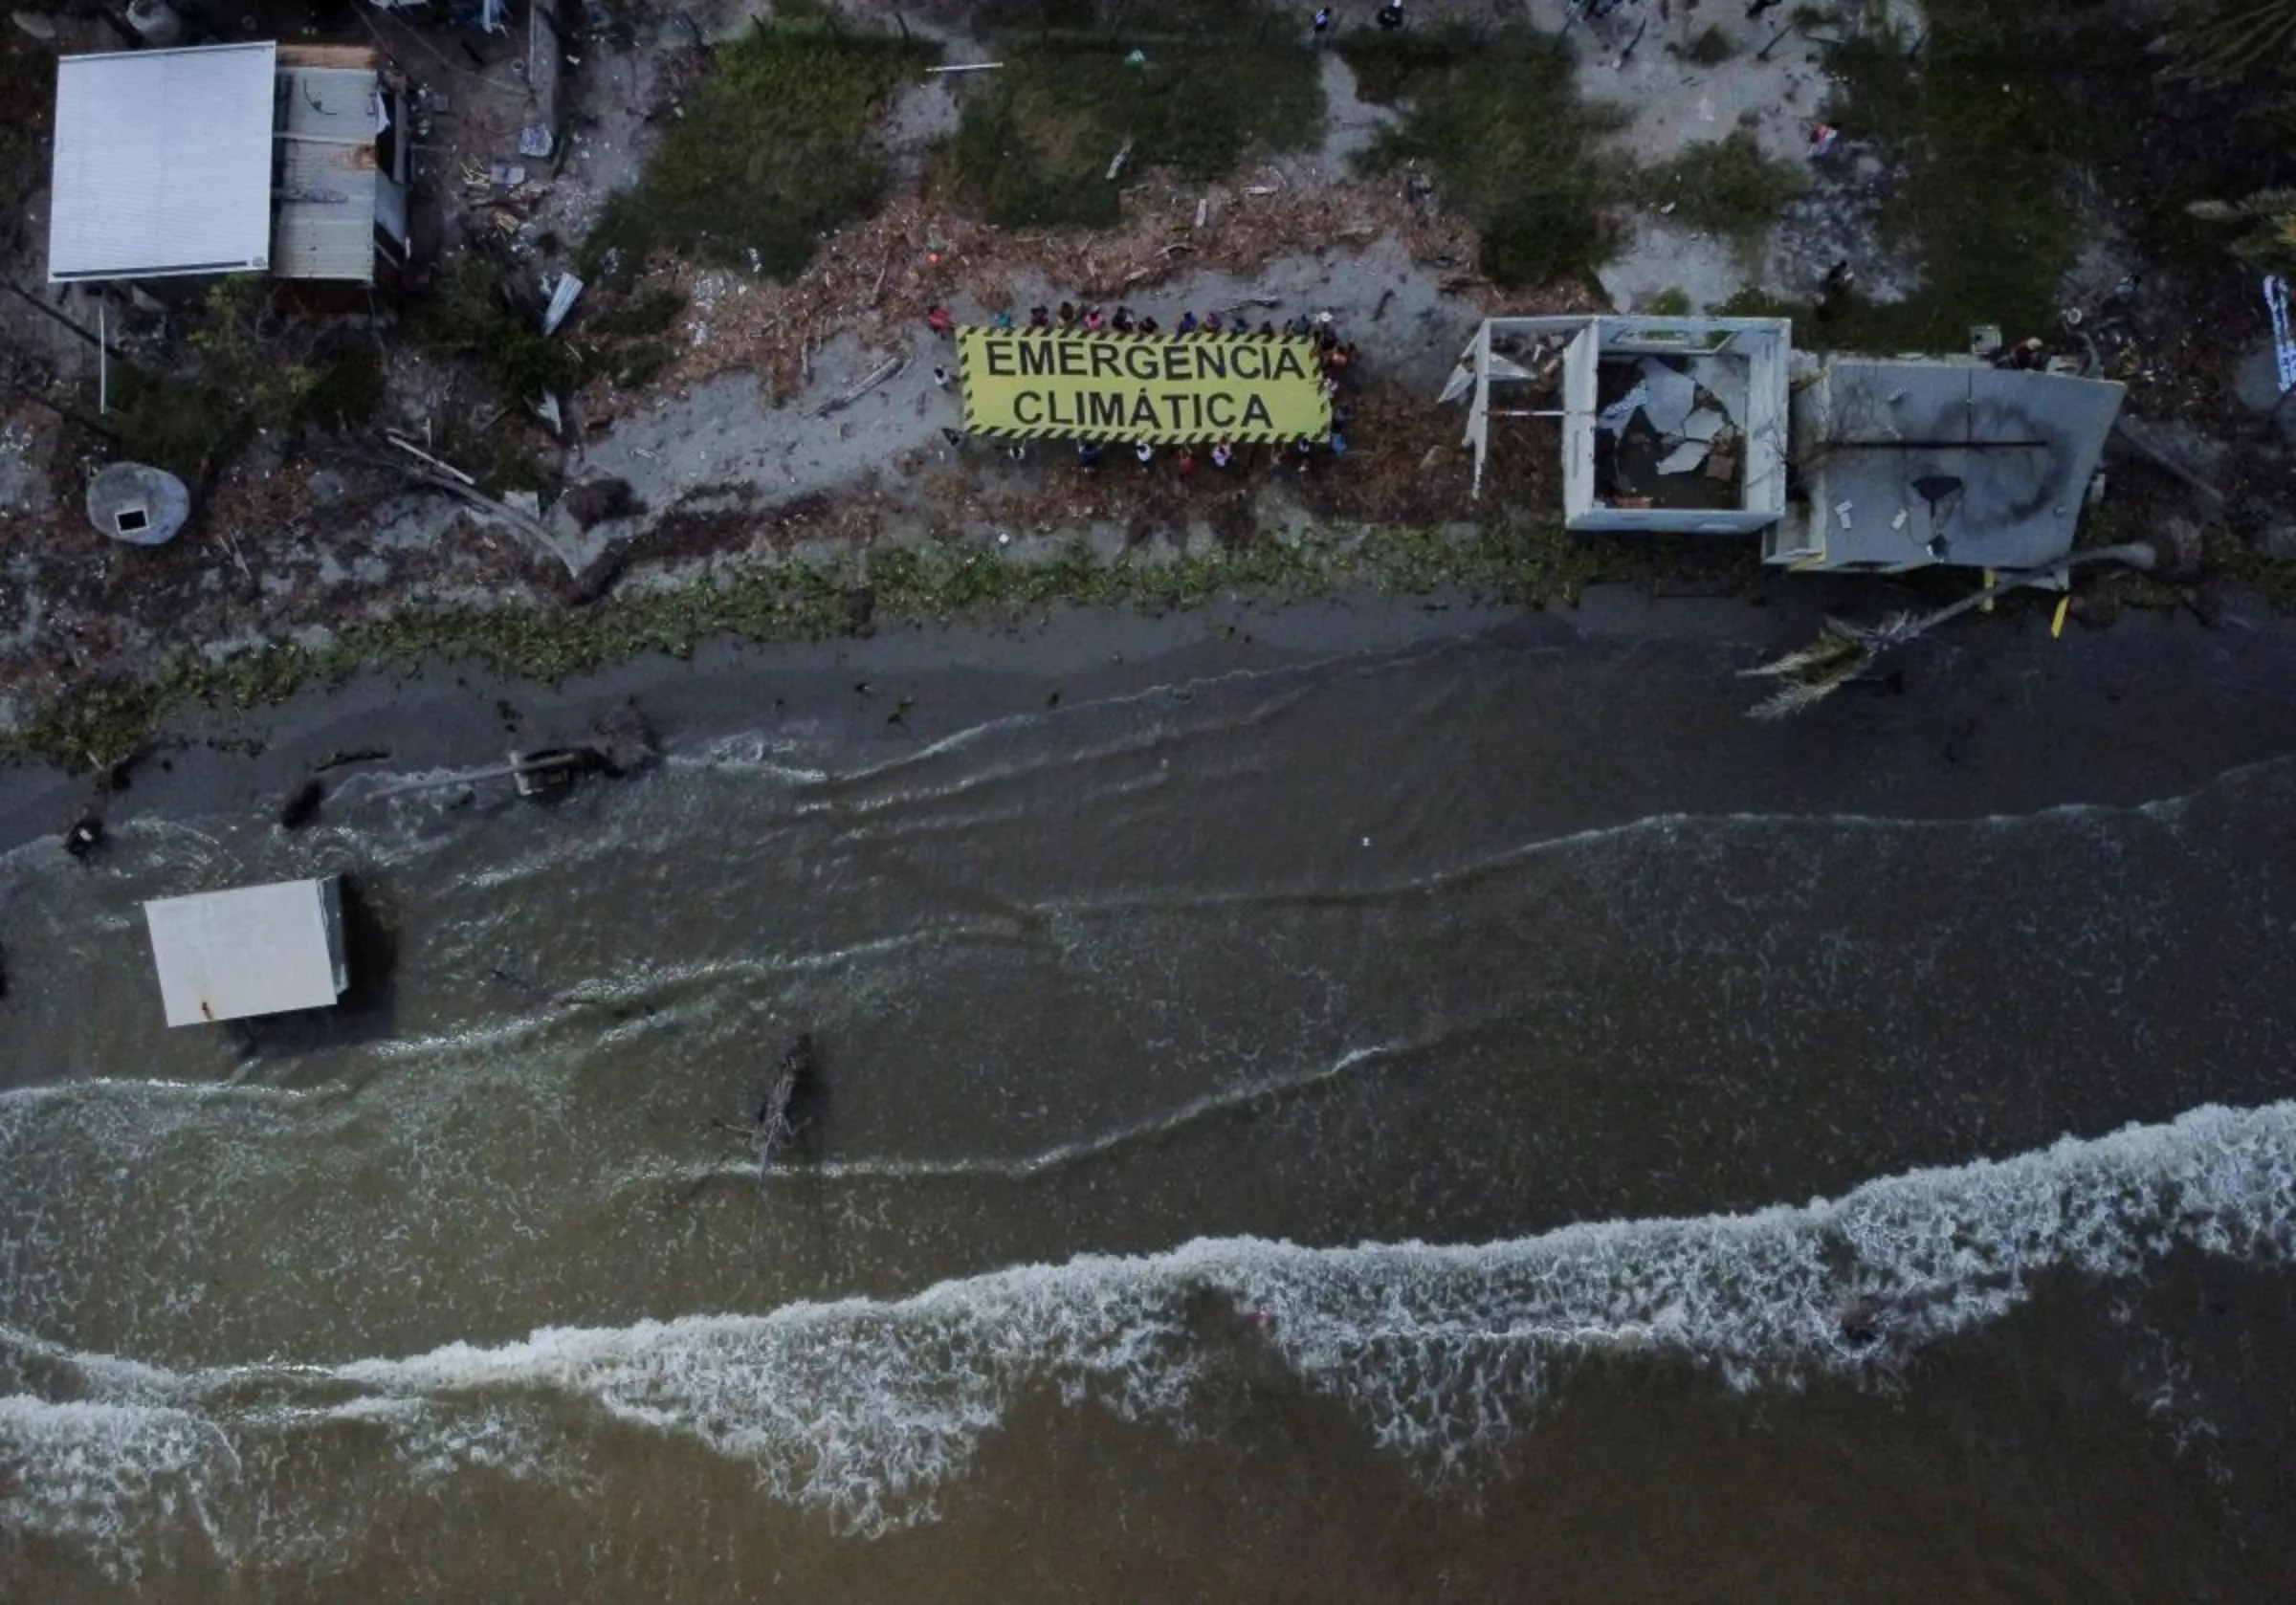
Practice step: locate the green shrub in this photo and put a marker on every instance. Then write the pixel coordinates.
(1726, 186)
(771, 153)
(1711, 49)
(347, 392)
(1500, 119)
(1034, 144)
(468, 315)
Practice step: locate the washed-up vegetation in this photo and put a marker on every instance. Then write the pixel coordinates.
(771, 151)
(1497, 121)
(1523, 563)
(1185, 89)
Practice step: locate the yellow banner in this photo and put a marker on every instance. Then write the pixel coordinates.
(1170, 389)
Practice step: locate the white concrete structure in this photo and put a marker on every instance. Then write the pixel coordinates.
(1913, 463)
(162, 164)
(250, 951)
(1668, 424)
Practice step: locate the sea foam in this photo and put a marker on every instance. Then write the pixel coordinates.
(868, 1410)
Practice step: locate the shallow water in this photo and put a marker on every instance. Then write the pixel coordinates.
(1371, 1130)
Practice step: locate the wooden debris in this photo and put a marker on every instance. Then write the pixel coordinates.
(302, 806)
(439, 475)
(884, 371)
(413, 450)
(775, 1130)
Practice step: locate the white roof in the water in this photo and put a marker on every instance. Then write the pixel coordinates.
(162, 162)
(251, 950)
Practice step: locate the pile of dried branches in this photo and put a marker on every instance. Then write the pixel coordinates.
(877, 279)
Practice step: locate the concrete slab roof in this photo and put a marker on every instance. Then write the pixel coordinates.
(251, 950)
(1909, 463)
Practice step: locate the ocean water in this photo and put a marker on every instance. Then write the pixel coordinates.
(1416, 1125)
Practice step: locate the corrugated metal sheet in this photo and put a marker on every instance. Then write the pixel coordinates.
(162, 162)
(253, 950)
(328, 120)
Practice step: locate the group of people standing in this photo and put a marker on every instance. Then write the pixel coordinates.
(1337, 359)
(1336, 356)
(1389, 17)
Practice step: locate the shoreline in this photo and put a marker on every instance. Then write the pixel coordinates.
(2146, 707)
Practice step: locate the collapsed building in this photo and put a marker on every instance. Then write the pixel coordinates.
(1718, 425)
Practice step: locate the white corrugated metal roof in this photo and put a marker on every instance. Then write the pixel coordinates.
(326, 226)
(162, 162)
(249, 951)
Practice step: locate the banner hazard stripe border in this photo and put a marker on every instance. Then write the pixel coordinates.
(1319, 420)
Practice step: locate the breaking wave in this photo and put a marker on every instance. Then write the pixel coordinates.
(866, 1411)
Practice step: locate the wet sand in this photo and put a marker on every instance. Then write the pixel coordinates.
(1997, 718)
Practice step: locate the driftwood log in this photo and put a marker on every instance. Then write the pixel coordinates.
(775, 1130)
(433, 474)
(773, 1127)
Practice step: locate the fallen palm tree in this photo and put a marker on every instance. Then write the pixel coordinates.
(1846, 651)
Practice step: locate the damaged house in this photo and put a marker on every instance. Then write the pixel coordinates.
(189, 163)
(1716, 426)
(1668, 424)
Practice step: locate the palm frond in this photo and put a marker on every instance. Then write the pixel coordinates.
(1839, 641)
(1791, 697)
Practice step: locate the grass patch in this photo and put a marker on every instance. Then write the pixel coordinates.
(1499, 119)
(643, 317)
(772, 153)
(1726, 185)
(1035, 141)
(630, 344)
(1991, 145)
